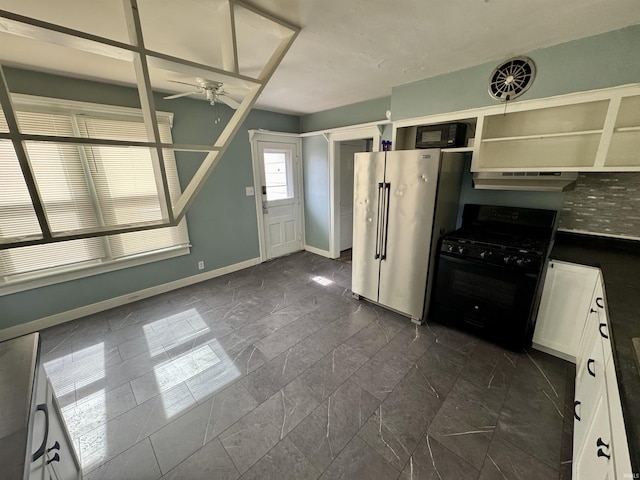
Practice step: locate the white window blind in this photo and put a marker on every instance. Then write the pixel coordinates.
(83, 187)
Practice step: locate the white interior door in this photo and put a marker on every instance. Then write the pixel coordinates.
(279, 167)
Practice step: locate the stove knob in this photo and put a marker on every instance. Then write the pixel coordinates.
(520, 262)
(450, 248)
(483, 254)
(507, 260)
(461, 250)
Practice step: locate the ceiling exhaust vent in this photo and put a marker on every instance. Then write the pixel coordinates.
(512, 78)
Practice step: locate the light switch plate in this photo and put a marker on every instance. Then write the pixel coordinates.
(249, 191)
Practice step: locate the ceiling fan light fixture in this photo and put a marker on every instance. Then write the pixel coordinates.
(511, 78)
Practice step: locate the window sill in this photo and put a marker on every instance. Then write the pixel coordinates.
(43, 279)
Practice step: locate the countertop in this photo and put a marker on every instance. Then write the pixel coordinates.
(619, 261)
(18, 359)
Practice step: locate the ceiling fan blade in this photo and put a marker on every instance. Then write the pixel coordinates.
(185, 83)
(178, 95)
(228, 101)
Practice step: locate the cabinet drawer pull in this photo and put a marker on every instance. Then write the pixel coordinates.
(600, 443)
(604, 335)
(599, 302)
(593, 310)
(602, 454)
(42, 408)
(590, 362)
(576, 404)
(55, 458)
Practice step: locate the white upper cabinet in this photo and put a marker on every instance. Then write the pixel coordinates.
(595, 131)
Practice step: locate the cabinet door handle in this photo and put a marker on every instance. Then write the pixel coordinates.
(55, 458)
(590, 362)
(42, 408)
(599, 302)
(576, 404)
(593, 311)
(600, 443)
(602, 454)
(604, 335)
(55, 446)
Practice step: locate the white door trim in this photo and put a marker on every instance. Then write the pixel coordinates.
(256, 136)
(372, 131)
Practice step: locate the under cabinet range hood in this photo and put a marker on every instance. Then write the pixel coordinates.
(527, 181)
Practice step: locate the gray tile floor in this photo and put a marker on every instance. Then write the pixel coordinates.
(275, 372)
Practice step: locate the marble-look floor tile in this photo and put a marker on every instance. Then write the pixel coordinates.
(230, 370)
(139, 463)
(263, 382)
(400, 421)
(282, 462)
(467, 420)
(191, 431)
(507, 461)
(255, 434)
(440, 366)
(305, 373)
(211, 461)
(533, 414)
(95, 410)
(359, 461)
(431, 460)
(121, 433)
(386, 368)
(323, 434)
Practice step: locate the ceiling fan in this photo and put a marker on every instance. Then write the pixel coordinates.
(213, 92)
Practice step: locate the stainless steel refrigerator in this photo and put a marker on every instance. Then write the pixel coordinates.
(404, 200)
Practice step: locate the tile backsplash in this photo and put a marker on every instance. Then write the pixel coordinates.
(604, 203)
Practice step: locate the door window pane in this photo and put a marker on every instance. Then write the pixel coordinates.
(278, 174)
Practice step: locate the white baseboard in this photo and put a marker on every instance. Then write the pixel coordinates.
(58, 318)
(317, 251)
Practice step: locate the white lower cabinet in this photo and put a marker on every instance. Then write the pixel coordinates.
(564, 308)
(56, 458)
(600, 448)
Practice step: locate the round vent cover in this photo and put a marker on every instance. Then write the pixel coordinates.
(512, 78)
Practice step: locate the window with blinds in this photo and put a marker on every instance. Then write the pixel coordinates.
(84, 187)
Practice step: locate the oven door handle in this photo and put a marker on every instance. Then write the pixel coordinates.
(451, 258)
(387, 195)
(379, 220)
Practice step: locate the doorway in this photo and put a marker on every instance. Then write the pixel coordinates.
(347, 150)
(343, 146)
(278, 196)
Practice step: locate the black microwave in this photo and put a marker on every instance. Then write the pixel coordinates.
(443, 135)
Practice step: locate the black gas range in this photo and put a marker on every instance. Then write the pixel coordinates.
(490, 272)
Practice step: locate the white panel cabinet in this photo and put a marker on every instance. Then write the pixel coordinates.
(58, 460)
(564, 308)
(600, 448)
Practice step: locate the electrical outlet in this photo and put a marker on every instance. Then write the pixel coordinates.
(201, 265)
(249, 191)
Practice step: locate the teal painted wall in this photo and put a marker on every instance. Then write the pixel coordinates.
(600, 61)
(222, 221)
(354, 114)
(315, 164)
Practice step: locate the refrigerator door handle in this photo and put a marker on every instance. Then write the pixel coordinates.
(378, 219)
(387, 196)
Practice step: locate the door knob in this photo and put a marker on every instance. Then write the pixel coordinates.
(265, 207)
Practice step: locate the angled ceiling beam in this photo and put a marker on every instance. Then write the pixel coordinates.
(23, 157)
(142, 60)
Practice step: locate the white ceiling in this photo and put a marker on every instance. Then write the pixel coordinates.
(347, 51)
